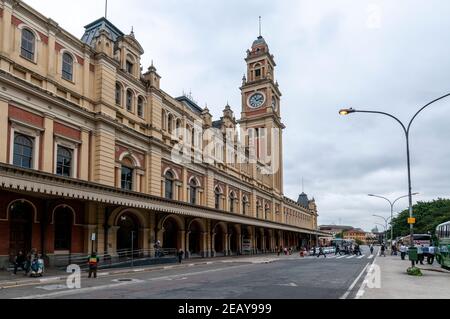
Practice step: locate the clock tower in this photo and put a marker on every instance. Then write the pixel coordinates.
(261, 107)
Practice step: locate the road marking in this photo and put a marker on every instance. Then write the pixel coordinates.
(44, 280)
(354, 283)
(168, 267)
(361, 290)
(138, 270)
(340, 257)
(370, 257)
(350, 257)
(289, 285)
(209, 263)
(361, 257)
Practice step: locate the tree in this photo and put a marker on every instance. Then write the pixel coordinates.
(428, 215)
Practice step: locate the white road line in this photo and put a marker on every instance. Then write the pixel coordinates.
(350, 257)
(354, 283)
(370, 257)
(361, 290)
(340, 257)
(361, 257)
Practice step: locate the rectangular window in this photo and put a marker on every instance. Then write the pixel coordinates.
(129, 67)
(23, 151)
(64, 162)
(127, 178)
(258, 73)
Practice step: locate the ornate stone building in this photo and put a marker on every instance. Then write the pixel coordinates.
(86, 147)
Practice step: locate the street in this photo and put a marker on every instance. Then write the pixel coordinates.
(271, 277)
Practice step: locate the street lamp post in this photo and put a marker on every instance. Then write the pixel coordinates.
(385, 230)
(391, 203)
(406, 130)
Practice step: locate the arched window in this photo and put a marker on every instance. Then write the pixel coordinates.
(63, 228)
(118, 94)
(217, 194)
(28, 44)
(257, 71)
(193, 191)
(130, 66)
(129, 100)
(67, 67)
(170, 123)
(140, 107)
(266, 211)
(23, 151)
(232, 202)
(178, 128)
(244, 205)
(258, 207)
(64, 162)
(169, 183)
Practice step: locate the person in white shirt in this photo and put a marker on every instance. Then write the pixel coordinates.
(403, 251)
(430, 256)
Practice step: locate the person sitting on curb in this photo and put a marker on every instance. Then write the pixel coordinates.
(20, 262)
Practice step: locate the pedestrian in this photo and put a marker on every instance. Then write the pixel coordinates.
(371, 249)
(279, 251)
(314, 250)
(321, 252)
(337, 251)
(430, 256)
(285, 251)
(420, 254)
(403, 250)
(180, 255)
(93, 261)
(20, 262)
(383, 250)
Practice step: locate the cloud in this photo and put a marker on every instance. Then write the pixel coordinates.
(328, 57)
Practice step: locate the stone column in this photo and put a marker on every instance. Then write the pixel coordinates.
(88, 231)
(205, 251)
(182, 239)
(47, 163)
(112, 240)
(187, 252)
(84, 156)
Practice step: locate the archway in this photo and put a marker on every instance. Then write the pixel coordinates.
(234, 248)
(63, 221)
(21, 226)
(128, 235)
(219, 244)
(247, 246)
(195, 239)
(170, 236)
(268, 240)
(258, 241)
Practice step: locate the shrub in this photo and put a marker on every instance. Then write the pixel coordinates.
(414, 271)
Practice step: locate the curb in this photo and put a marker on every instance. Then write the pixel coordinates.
(443, 271)
(15, 283)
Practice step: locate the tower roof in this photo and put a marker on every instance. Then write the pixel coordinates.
(259, 41)
(94, 28)
(303, 200)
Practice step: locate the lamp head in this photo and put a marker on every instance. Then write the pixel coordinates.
(346, 111)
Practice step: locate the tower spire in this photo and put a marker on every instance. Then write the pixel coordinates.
(106, 9)
(303, 185)
(260, 27)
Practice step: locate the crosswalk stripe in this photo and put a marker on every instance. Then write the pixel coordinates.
(340, 257)
(370, 257)
(361, 257)
(350, 257)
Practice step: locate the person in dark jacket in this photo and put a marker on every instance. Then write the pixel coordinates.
(180, 255)
(321, 252)
(93, 264)
(20, 262)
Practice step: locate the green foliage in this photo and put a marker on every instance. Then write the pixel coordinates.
(359, 242)
(414, 271)
(340, 235)
(428, 215)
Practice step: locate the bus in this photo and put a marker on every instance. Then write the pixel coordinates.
(419, 239)
(442, 253)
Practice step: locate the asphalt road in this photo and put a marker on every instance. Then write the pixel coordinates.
(281, 277)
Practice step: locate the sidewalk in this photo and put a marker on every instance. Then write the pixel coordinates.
(8, 280)
(396, 284)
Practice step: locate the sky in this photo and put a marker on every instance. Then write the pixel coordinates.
(390, 56)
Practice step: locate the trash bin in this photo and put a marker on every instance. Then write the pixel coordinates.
(412, 253)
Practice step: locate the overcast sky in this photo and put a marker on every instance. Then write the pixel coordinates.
(389, 56)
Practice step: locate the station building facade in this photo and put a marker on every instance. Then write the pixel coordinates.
(87, 151)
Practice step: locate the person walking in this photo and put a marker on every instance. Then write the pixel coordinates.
(383, 250)
(93, 264)
(403, 250)
(314, 250)
(371, 249)
(430, 256)
(180, 255)
(321, 252)
(420, 254)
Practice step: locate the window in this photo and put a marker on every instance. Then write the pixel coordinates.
(28, 44)
(169, 180)
(64, 162)
(23, 151)
(129, 67)
(232, 200)
(118, 94)
(140, 107)
(129, 101)
(63, 228)
(217, 194)
(266, 211)
(67, 67)
(127, 178)
(170, 123)
(244, 205)
(257, 73)
(193, 192)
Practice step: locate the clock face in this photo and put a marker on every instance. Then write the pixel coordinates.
(256, 100)
(274, 104)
